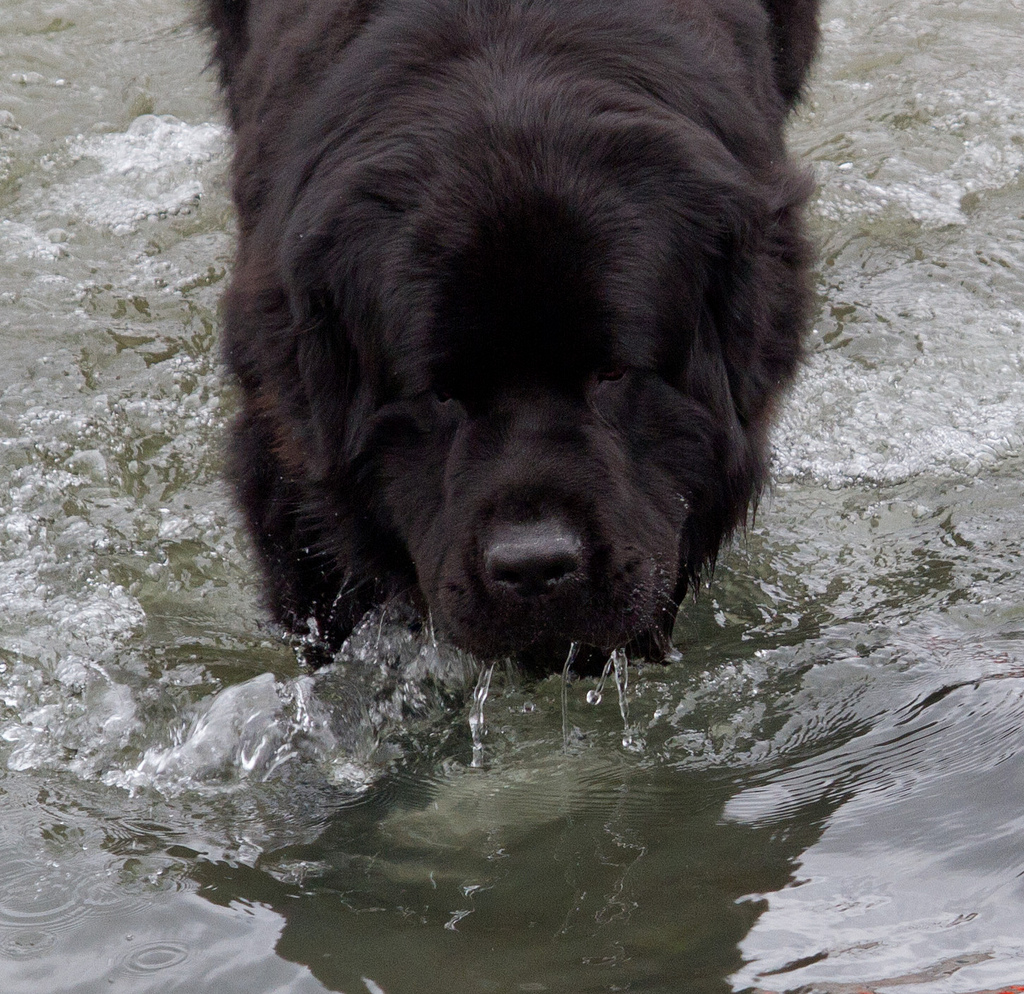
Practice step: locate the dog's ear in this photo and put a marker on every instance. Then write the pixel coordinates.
(758, 299)
(745, 348)
(295, 364)
(332, 266)
(793, 34)
(328, 375)
(356, 299)
(228, 21)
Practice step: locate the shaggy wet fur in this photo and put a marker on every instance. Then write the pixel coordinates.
(519, 285)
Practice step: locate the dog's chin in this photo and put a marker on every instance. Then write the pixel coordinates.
(550, 653)
(539, 642)
(538, 631)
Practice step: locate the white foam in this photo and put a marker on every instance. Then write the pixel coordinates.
(102, 613)
(846, 422)
(20, 241)
(149, 171)
(924, 367)
(933, 200)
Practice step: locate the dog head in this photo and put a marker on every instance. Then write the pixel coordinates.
(536, 328)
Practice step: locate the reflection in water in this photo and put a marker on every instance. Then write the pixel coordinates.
(482, 890)
(940, 810)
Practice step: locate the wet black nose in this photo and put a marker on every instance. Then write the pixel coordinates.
(533, 558)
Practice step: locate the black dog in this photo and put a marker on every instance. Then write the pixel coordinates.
(519, 284)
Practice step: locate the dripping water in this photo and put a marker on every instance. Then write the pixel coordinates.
(596, 694)
(574, 649)
(476, 713)
(619, 664)
(618, 660)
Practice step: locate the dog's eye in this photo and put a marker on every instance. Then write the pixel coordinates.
(613, 373)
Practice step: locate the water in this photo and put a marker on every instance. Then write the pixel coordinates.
(477, 712)
(825, 792)
(619, 664)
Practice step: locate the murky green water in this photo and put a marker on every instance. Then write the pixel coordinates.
(830, 793)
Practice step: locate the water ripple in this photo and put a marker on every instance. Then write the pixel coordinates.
(27, 943)
(154, 956)
(941, 732)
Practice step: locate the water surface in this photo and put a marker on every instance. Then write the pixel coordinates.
(824, 793)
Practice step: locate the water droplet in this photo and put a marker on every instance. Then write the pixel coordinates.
(618, 660)
(596, 695)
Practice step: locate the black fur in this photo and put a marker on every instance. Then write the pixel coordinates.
(519, 284)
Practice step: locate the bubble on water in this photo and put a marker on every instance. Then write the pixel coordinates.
(21, 241)
(30, 78)
(146, 172)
